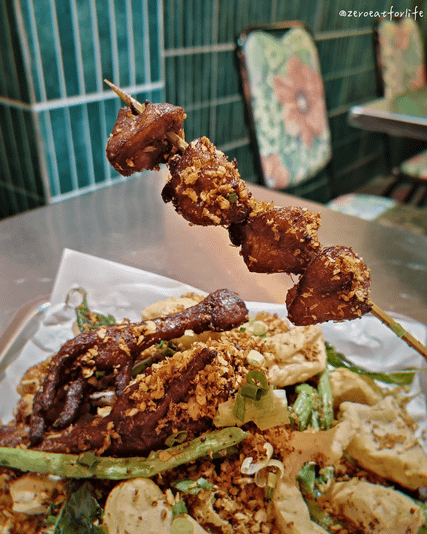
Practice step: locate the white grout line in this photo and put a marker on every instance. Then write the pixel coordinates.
(238, 143)
(96, 45)
(77, 100)
(161, 41)
(90, 188)
(114, 47)
(131, 42)
(52, 156)
(82, 90)
(78, 47)
(146, 38)
(37, 52)
(58, 50)
(71, 151)
(221, 47)
(341, 34)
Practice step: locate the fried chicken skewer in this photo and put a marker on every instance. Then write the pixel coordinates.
(334, 281)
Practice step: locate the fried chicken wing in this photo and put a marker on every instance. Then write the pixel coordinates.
(113, 350)
(139, 140)
(278, 240)
(335, 286)
(205, 187)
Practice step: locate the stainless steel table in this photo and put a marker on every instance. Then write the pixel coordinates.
(129, 223)
(403, 116)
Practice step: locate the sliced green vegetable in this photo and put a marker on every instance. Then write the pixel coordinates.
(303, 405)
(401, 378)
(179, 508)
(326, 405)
(321, 517)
(139, 367)
(70, 465)
(182, 525)
(306, 478)
(255, 387)
(86, 319)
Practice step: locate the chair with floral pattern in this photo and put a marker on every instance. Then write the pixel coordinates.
(400, 66)
(285, 99)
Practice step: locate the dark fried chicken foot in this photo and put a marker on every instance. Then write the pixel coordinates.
(113, 349)
(278, 240)
(127, 430)
(139, 140)
(334, 287)
(205, 187)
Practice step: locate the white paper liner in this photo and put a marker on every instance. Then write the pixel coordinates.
(125, 291)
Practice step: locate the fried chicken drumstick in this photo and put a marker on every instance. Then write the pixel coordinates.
(206, 189)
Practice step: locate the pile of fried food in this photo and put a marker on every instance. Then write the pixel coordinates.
(202, 419)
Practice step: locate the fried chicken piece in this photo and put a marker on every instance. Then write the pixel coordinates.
(128, 430)
(205, 187)
(278, 240)
(139, 140)
(334, 287)
(113, 350)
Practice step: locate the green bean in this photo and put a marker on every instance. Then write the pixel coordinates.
(320, 516)
(88, 465)
(326, 408)
(303, 406)
(402, 378)
(306, 477)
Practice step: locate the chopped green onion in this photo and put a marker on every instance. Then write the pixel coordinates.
(179, 508)
(271, 484)
(232, 197)
(182, 525)
(255, 388)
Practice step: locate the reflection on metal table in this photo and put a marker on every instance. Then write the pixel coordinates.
(403, 116)
(129, 223)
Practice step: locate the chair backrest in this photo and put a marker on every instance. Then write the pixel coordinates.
(399, 55)
(285, 98)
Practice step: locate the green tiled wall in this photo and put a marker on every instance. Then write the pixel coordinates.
(202, 76)
(56, 113)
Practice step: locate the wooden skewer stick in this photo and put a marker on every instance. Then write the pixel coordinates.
(376, 311)
(138, 108)
(398, 329)
(134, 105)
